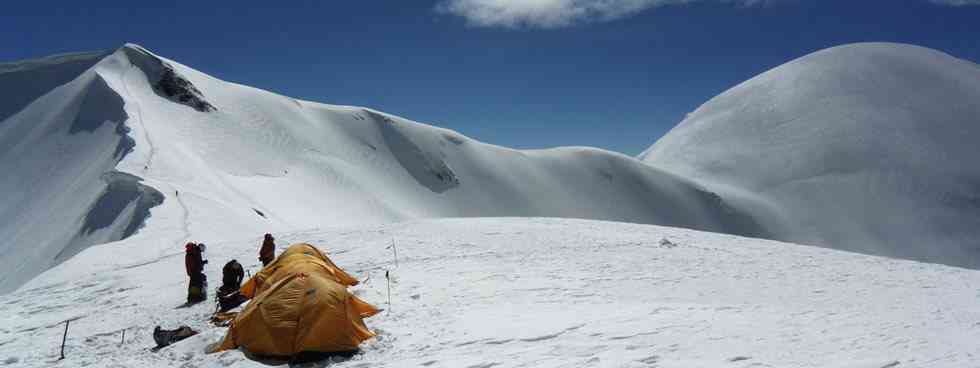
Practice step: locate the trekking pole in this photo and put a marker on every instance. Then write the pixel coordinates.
(123, 340)
(63, 338)
(389, 290)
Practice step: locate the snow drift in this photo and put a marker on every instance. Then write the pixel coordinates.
(126, 143)
(865, 147)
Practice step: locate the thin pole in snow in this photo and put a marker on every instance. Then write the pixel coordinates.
(63, 338)
(387, 278)
(394, 249)
(123, 340)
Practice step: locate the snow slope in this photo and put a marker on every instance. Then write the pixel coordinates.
(866, 147)
(58, 154)
(112, 141)
(533, 293)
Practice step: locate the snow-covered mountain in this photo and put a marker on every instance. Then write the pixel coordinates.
(97, 147)
(866, 147)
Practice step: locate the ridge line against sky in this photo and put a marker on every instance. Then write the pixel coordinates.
(618, 82)
(564, 13)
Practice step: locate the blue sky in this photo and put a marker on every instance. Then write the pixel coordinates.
(615, 74)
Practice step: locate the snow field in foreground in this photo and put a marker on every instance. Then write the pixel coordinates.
(526, 292)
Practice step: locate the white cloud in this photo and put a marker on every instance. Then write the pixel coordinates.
(562, 13)
(557, 13)
(956, 2)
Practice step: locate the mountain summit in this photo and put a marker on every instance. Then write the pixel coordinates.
(865, 147)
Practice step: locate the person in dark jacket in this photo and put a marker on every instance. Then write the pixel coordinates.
(231, 280)
(194, 262)
(232, 275)
(268, 251)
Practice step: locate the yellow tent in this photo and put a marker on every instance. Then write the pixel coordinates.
(297, 258)
(300, 306)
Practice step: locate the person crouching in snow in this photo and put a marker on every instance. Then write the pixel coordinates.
(194, 262)
(268, 251)
(231, 280)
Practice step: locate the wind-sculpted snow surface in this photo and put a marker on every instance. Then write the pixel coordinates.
(203, 159)
(61, 192)
(427, 168)
(25, 81)
(524, 292)
(866, 147)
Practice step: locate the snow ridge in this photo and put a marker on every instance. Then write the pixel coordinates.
(65, 193)
(34, 78)
(191, 170)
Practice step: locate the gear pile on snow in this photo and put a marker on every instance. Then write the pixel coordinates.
(164, 338)
(300, 306)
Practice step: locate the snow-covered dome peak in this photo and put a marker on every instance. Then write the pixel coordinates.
(865, 147)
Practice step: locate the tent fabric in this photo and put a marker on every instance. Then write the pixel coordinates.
(300, 307)
(297, 258)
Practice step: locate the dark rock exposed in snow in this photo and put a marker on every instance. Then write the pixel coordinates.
(180, 90)
(166, 81)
